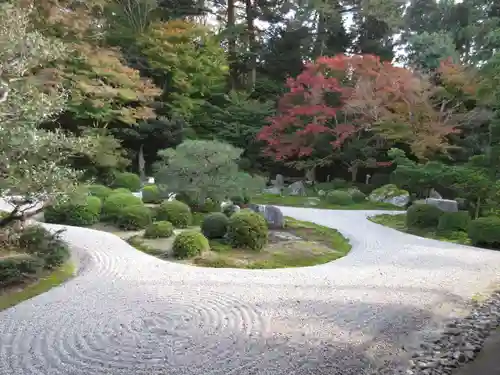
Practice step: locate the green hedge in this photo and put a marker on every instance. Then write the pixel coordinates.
(100, 191)
(15, 269)
(339, 197)
(215, 225)
(358, 196)
(38, 241)
(151, 194)
(247, 229)
(159, 229)
(188, 244)
(485, 231)
(178, 213)
(82, 211)
(454, 221)
(122, 191)
(115, 203)
(423, 216)
(127, 180)
(134, 218)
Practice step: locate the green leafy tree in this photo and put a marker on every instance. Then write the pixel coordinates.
(33, 167)
(205, 169)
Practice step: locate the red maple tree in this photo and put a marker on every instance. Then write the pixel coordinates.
(348, 97)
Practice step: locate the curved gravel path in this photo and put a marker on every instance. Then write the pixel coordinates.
(130, 313)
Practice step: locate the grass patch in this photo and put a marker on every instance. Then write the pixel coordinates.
(314, 202)
(45, 283)
(398, 222)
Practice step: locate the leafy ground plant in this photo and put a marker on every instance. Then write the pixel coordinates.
(398, 222)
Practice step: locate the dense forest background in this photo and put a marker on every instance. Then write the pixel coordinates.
(317, 87)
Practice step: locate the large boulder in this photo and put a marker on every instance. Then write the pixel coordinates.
(274, 217)
(390, 194)
(297, 188)
(445, 205)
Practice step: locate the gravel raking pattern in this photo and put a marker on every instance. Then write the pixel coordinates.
(127, 313)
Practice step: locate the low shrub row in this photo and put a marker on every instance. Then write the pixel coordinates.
(38, 250)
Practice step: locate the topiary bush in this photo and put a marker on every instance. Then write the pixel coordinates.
(485, 231)
(178, 213)
(358, 196)
(188, 244)
(82, 211)
(423, 216)
(122, 191)
(247, 229)
(151, 194)
(159, 229)
(454, 221)
(127, 180)
(134, 218)
(100, 191)
(15, 269)
(230, 210)
(115, 203)
(45, 245)
(238, 200)
(339, 197)
(210, 205)
(215, 225)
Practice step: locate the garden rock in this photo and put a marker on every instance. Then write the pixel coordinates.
(137, 194)
(445, 205)
(434, 194)
(297, 188)
(256, 208)
(390, 194)
(274, 217)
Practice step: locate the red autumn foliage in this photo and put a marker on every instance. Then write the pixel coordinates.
(370, 96)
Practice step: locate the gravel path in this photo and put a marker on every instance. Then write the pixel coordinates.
(132, 314)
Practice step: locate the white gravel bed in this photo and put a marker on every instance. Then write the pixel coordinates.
(130, 313)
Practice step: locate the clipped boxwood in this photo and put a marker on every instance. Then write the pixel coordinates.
(100, 191)
(215, 225)
(81, 211)
(151, 194)
(122, 191)
(238, 200)
(159, 229)
(188, 244)
(15, 269)
(134, 217)
(423, 216)
(247, 229)
(485, 231)
(115, 203)
(454, 221)
(127, 180)
(358, 196)
(178, 213)
(230, 210)
(339, 197)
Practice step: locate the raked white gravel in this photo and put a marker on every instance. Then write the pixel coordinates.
(128, 313)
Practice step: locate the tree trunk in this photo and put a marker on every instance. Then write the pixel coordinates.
(354, 173)
(478, 207)
(231, 42)
(252, 48)
(319, 43)
(141, 163)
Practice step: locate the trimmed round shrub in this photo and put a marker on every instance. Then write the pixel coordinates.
(46, 246)
(485, 231)
(100, 191)
(16, 268)
(238, 200)
(210, 205)
(82, 211)
(122, 191)
(178, 213)
(134, 217)
(115, 203)
(127, 180)
(188, 244)
(358, 196)
(454, 221)
(215, 225)
(423, 216)
(159, 229)
(247, 229)
(151, 194)
(339, 197)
